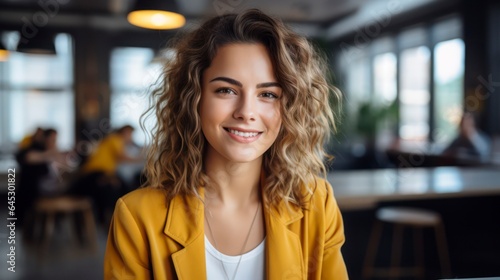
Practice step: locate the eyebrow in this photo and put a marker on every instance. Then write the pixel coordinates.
(237, 83)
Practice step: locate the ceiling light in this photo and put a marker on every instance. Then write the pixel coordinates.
(41, 43)
(156, 14)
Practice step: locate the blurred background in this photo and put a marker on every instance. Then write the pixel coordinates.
(418, 131)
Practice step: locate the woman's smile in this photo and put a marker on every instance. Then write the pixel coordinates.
(242, 136)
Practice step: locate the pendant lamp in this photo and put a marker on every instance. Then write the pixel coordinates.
(156, 14)
(41, 43)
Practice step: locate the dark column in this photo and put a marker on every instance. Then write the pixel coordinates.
(493, 85)
(482, 85)
(92, 90)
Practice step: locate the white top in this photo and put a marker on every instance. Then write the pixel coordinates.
(252, 265)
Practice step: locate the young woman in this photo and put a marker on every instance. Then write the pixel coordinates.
(233, 190)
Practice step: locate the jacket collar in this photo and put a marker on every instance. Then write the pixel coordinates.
(185, 225)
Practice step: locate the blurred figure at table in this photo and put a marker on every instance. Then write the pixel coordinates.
(29, 139)
(38, 174)
(471, 143)
(98, 176)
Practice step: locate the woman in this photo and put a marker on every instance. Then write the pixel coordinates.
(233, 191)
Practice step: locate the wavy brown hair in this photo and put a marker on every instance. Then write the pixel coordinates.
(175, 158)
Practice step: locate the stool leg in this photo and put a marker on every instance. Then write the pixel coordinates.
(372, 250)
(419, 252)
(396, 250)
(73, 232)
(49, 229)
(442, 246)
(91, 229)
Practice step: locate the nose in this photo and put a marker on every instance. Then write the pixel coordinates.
(246, 108)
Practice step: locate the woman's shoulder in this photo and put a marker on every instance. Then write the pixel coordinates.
(319, 197)
(320, 189)
(144, 198)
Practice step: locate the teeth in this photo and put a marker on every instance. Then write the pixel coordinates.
(243, 134)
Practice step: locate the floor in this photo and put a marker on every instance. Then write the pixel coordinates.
(64, 257)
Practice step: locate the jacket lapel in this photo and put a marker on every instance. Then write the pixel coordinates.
(185, 226)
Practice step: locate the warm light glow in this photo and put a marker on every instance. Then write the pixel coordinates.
(4, 55)
(152, 19)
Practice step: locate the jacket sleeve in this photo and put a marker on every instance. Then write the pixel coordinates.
(333, 262)
(126, 248)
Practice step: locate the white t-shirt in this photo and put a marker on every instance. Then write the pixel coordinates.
(252, 265)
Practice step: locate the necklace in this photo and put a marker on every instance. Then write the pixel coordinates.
(242, 249)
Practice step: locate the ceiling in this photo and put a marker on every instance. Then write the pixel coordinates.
(296, 10)
(307, 16)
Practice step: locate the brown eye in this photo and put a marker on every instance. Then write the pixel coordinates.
(269, 95)
(225, 91)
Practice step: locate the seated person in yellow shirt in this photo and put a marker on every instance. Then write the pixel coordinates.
(28, 140)
(98, 176)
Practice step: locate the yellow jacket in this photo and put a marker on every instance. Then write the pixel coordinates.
(152, 239)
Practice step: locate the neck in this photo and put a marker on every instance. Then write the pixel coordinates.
(234, 184)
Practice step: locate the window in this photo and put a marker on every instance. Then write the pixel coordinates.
(357, 86)
(448, 89)
(133, 71)
(384, 81)
(398, 67)
(37, 91)
(414, 94)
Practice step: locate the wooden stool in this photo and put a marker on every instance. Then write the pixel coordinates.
(66, 205)
(401, 217)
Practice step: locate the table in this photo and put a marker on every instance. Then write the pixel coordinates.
(363, 189)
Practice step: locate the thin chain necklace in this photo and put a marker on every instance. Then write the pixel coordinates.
(242, 249)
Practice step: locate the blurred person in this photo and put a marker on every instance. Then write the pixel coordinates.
(29, 139)
(37, 175)
(236, 184)
(98, 176)
(471, 143)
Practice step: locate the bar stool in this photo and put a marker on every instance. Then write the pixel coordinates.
(400, 218)
(66, 205)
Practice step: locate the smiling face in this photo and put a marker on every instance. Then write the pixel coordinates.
(240, 107)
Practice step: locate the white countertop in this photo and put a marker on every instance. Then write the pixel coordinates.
(364, 188)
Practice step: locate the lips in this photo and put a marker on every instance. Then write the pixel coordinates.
(243, 133)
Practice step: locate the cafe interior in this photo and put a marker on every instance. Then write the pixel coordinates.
(416, 167)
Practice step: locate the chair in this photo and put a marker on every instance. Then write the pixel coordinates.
(401, 218)
(66, 205)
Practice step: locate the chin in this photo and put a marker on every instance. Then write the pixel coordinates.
(242, 157)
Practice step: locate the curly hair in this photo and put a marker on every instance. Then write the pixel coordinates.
(175, 158)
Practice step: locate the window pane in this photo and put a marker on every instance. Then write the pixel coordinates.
(43, 71)
(129, 67)
(358, 82)
(31, 109)
(132, 73)
(448, 89)
(384, 71)
(414, 95)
